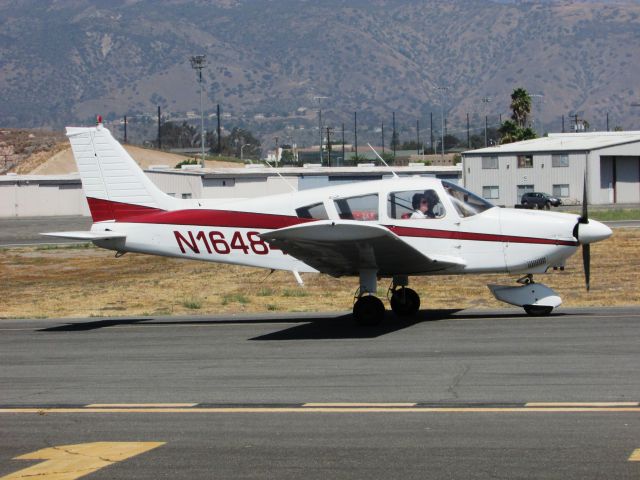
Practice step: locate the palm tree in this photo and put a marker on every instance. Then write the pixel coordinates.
(521, 107)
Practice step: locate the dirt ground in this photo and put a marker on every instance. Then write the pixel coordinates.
(80, 281)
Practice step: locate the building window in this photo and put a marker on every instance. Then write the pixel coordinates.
(561, 191)
(489, 162)
(522, 189)
(560, 160)
(491, 192)
(364, 208)
(186, 195)
(525, 161)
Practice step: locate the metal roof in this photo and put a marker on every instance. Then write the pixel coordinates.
(312, 170)
(563, 142)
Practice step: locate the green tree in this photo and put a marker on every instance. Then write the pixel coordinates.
(518, 127)
(520, 107)
(287, 157)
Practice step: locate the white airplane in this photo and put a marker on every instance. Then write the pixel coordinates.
(393, 228)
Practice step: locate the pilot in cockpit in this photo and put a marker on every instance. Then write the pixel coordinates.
(423, 204)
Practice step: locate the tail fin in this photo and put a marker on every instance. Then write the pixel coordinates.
(114, 184)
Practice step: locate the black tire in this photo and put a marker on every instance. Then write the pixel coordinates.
(405, 302)
(368, 311)
(537, 310)
(547, 206)
(525, 204)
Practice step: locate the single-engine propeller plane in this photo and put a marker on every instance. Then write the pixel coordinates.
(393, 228)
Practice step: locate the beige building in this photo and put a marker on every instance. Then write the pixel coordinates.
(557, 165)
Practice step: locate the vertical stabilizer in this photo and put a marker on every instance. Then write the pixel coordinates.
(112, 181)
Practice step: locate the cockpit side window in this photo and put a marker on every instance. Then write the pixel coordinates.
(315, 211)
(362, 208)
(466, 203)
(414, 204)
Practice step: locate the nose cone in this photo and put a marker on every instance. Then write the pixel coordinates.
(593, 232)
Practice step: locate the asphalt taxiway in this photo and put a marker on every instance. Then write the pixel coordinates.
(451, 394)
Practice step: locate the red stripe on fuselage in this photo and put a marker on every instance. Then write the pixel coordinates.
(478, 237)
(123, 212)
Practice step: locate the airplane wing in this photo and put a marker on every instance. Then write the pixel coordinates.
(346, 247)
(86, 235)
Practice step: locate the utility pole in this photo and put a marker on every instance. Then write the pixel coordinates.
(442, 91)
(355, 132)
(159, 136)
(468, 134)
(607, 121)
(277, 152)
(329, 146)
(382, 137)
(197, 63)
(342, 145)
(219, 130)
(431, 127)
(562, 123)
(125, 129)
(394, 139)
(418, 137)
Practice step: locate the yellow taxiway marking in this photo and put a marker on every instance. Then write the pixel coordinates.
(582, 404)
(140, 405)
(356, 405)
(45, 411)
(635, 456)
(68, 462)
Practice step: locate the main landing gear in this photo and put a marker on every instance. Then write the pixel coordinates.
(369, 309)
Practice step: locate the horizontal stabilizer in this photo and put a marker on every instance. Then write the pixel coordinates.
(346, 247)
(86, 235)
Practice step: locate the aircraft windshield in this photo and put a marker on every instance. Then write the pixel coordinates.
(466, 203)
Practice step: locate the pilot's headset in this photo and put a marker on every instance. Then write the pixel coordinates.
(415, 201)
(432, 198)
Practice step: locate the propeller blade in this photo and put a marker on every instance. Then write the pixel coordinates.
(585, 214)
(586, 262)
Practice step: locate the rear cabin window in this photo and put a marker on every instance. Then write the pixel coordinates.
(315, 212)
(363, 208)
(414, 204)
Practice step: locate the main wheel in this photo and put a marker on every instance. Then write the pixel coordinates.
(368, 310)
(537, 310)
(405, 302)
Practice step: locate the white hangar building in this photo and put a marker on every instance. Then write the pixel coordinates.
(557, 165)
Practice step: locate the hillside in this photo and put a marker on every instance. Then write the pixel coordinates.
(70, 59)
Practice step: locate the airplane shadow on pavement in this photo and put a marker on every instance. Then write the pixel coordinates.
(303, 328)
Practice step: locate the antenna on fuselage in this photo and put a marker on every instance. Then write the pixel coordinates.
(293, 189)
(382, 160)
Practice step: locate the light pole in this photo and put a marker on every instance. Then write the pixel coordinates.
(197, 63)
(537, 118)
(485, 103)
(442, 90)
(319, 98)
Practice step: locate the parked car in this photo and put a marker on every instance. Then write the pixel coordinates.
(539, 200)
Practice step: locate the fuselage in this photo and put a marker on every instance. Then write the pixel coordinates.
(486, 238)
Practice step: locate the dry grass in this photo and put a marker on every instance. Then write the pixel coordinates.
(87, 281)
